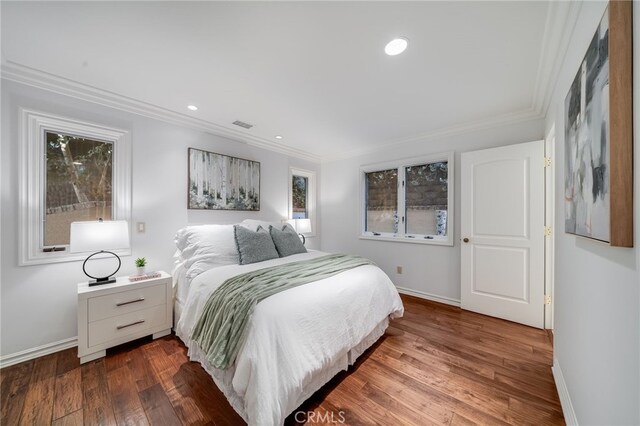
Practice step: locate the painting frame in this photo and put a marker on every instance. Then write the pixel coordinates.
(598, 134)
(234, 181)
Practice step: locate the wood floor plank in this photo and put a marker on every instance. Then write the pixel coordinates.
(116, 360)
(97, 405)
(71, 419)
(428, 398)
(361, 410)
(38, 401)
(186, 407)
(68, 393)
(142, 371)
(163, 364)
(467, 390)
(127, 408)
(406, 414)
(208, 397)
(67, 360)
(516, 332)
(438, 365)
(158, 359)
(497, 347)
(157, 406)
(13, 390)
(171, 346)
(180, 393)
(482, 334)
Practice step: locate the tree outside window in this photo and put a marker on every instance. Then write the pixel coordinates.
(78, 183)
(299, 195)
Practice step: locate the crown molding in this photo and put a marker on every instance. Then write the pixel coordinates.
(13, 71)
(458, 129)
(561, 20)
(559, 25)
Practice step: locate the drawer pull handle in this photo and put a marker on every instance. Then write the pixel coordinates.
(130, 301)
(120, 327)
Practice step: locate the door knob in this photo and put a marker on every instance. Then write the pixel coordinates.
(466, 240)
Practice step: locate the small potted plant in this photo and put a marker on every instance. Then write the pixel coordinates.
(141, 263)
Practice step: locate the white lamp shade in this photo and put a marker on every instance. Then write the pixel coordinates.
(301, 226)
(96, 236)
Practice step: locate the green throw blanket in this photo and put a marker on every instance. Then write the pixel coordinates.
(220, 330)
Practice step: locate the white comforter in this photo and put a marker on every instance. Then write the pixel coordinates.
(294, 335)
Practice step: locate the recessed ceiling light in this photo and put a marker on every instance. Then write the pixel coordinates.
(396, 46)
(192, 107)
(278, 137)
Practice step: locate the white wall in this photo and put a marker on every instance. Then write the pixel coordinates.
(427, 269)
(597, 297)
(38, 303)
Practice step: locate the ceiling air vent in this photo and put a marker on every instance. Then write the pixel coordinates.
(243, 124)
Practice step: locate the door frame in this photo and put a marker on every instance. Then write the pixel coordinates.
(549, 220)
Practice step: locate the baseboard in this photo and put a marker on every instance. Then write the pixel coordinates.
(429, 296)
(563, 392)
(32, 353)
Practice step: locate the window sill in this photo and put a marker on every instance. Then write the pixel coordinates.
(435, 241)
(42, 258)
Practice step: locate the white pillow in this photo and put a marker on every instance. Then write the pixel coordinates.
(203, 247)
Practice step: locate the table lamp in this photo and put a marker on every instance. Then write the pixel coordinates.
(301, 226)
(99, 236)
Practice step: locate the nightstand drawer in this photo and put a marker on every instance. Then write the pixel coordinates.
(116, 304)
(123, 325)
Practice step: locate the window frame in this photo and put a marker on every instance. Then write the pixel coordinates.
(401, 165)
(311, 196)
(32, 188)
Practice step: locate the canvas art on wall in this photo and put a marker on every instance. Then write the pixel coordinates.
(221, 182)
(586, 142)
(598, 139)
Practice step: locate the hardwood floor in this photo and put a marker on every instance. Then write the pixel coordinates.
(437, 365)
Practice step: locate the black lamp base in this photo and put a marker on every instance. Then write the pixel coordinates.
(100, 281)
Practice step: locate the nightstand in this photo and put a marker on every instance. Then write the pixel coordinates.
(112, 314)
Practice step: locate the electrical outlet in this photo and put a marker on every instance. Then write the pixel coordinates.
(399, 269)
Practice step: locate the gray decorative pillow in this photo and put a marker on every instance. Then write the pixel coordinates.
(254, 246)
(287, 241)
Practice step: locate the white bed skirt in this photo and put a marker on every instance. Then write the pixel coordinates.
(223, 378)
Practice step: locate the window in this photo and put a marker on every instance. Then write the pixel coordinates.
(409, 200)
(299, 195)
(78, 175)
(71, 171)
(382, 201)
(302, 196)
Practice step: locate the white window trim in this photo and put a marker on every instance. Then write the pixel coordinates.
(33, 125)
(449, 157)
(311, 196)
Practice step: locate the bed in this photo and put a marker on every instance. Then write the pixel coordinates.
(296, 340)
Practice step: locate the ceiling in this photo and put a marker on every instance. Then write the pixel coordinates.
(313, 72)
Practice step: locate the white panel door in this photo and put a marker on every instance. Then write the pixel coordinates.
(503, 232)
